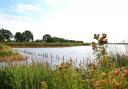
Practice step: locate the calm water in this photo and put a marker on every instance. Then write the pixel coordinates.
(54, 56)
(79, 54)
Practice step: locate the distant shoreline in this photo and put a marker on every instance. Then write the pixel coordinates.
(43, 45)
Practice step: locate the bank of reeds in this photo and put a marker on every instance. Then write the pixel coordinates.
(105, 74)
(108, 72)
(39, 44)
(6, 54)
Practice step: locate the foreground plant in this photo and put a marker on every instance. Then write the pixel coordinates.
(104, 74)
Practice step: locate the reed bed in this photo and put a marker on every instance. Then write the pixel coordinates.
(39, 44)
(6, 54)
(105, 74)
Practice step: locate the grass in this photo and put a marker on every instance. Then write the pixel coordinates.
(110, 72)
(40, 76)
(39, 44)
(6, 54)
(4, 48)
(105, 74)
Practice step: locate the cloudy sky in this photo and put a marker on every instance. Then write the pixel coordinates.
(71, 19)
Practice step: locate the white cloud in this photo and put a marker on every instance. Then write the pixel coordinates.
(16, 23)
(79, 20)
(22, 8)
(54, 2)
(82, 18)
(100, 7)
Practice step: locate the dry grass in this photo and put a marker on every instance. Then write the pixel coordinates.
(6, 54)
(5, 48)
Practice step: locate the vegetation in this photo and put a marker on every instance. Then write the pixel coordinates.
(5, 35)
(101, 75)
(38, 44)
(27, 36)
(5, 48)
(18, 37)
(49, 39)
(26, 39)
(6, 54)
(108, 72)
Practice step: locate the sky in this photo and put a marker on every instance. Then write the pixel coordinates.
(70, 19)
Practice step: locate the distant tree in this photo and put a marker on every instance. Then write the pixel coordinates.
(47, 38)
(1, 37)
(27, 36)
(18, 37)
(38, 40)
(5, 35)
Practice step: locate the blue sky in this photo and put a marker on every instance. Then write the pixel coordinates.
(71, 19)
(34, 8)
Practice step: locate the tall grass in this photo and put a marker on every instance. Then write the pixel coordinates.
(104, 74)
(41, 76)
(5, 48)
(39, 44)
(109, 72)
(6, 54)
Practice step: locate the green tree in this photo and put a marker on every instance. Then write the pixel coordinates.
(1, 37)
(18, 37)
(5, 35)
(47, 38)
(27, 36)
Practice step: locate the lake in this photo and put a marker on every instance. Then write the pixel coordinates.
(54, 56)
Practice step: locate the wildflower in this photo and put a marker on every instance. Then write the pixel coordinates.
(123, 68)
(97, 84)
(125, 72)
(96, 36)
(117, 72)
(104, 35)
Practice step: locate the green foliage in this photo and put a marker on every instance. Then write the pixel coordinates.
(18, 37)
(41, 76)
(110, 72)
(1, 37)
(65, 76)
(4, 48)
(5, 35)
(41, 44)
(27, 36)
(47, 38)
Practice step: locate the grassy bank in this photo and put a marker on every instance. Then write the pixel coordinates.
(38, 44)
(110, 73)
(6, 54)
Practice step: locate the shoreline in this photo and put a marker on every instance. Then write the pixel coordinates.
(43, 45)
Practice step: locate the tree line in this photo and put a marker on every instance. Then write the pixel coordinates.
(27, 36)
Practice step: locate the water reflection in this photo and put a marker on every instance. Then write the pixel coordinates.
(54, 56)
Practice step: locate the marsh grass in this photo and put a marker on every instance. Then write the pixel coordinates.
(109, 72)
(5, 48)
(64, 76)
(41, 44)
(105, 74)
(6, 54)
